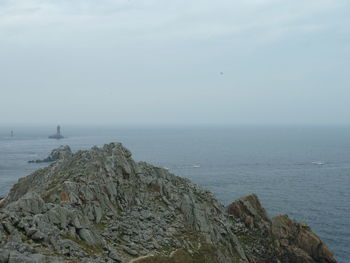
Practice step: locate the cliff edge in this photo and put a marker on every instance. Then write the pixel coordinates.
(102, 206)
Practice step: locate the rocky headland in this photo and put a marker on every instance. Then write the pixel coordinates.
(102, 206)
(56, 154)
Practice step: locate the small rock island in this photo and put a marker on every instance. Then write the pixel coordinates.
(57, 135)
(100, 206)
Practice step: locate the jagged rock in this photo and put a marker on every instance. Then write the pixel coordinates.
(102, 206)
(38, 236)
(29, 203)
(130, 251)
(4, 255)
(298, 240)
(16, 257)
(89, 237)
(38, 258)
(280, 238)
(63, 152)
(114, 255)
(249, 209)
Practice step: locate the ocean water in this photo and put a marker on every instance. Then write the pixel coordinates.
(301, 171)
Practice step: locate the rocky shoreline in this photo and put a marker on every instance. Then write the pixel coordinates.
(102, 206)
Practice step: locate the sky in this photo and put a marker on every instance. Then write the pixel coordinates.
(175, 62)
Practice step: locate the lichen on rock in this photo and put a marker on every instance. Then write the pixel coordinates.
(102, 206)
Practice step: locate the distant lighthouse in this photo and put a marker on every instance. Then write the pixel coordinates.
(58, 134)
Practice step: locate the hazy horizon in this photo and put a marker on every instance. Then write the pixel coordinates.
(174, 63)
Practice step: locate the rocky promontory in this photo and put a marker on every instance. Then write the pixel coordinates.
(56, 154)
(102, 206)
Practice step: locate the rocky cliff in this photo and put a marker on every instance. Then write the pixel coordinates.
(278, 239)
(101, 206)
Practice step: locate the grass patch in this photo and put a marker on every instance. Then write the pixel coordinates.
(247, 239)
(100, 226)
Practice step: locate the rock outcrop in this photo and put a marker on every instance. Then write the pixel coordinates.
(102, 206)
(61, 152)
(279, 238)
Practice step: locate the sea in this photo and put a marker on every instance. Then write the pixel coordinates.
(302, 171)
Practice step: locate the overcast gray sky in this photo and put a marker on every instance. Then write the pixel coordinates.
(159, 62)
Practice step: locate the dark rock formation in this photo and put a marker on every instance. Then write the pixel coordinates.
(249, 209)
(101, 206)
(62, 152)
(277, 239)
